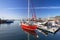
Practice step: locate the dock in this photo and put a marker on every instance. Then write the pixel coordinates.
(51, 30)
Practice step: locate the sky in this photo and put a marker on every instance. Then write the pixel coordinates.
(16, 9)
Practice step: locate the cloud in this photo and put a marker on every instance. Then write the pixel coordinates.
(52, 7)
(16, 8)
(47, 7)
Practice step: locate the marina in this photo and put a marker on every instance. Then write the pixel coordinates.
(41, 25)
(29, 19)
(15, 32)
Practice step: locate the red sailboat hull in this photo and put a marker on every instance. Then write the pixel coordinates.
(28, 27)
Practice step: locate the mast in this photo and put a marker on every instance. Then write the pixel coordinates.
(28, 9)
(33, 13)
(28, 14)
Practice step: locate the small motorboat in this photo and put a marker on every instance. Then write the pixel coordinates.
(9, 21)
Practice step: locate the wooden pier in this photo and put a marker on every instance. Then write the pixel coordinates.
(51, 30)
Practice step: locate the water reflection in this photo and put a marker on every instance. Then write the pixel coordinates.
(46, 33)
(14, 31)
(40, 33)
(43, 32)
(29, 32)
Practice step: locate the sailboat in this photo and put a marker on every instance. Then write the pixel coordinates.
(28, 24)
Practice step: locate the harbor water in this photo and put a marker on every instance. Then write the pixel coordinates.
(14, 31)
